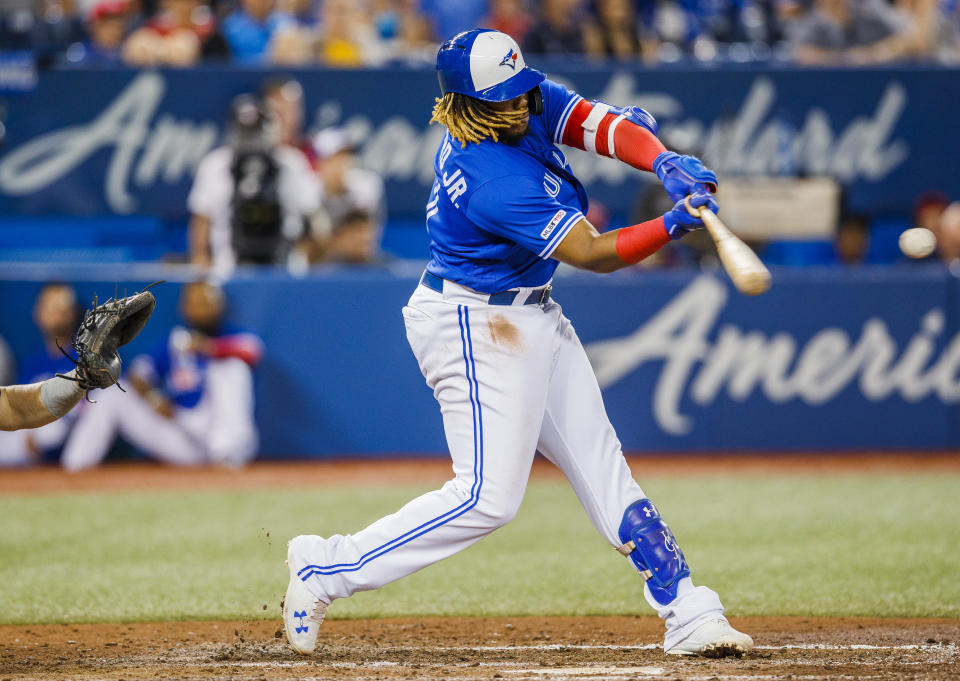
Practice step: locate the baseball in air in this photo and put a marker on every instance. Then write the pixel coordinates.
(917, 242)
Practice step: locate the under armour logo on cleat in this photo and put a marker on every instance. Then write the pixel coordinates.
(649, 511)
(302, 629)
(510, 59)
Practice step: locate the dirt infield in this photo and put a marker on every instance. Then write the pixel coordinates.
(584, 648)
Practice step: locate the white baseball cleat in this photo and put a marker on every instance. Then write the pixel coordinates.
(714, 639)
(302, 612)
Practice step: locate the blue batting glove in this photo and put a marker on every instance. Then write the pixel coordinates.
(679, 222)
(683, 175)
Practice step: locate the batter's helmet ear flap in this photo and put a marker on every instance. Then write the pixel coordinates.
(535, 101)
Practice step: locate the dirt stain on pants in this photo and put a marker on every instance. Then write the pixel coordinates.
(504, 333)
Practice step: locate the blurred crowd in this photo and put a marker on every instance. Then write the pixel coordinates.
(358, 33)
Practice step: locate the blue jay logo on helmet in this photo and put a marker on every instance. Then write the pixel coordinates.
(510, 59)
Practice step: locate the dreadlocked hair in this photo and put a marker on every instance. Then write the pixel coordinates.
(470, 120)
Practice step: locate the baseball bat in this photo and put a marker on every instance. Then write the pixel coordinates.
(749, 275)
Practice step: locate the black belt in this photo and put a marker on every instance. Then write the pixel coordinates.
(536, 297)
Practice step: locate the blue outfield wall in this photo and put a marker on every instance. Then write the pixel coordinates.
(124, 142)
(827, 360)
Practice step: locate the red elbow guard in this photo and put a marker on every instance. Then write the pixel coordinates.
(592, 127)
(637, 242)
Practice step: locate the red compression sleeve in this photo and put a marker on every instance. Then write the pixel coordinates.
(636, 242)
(612, 136)
(636, 145)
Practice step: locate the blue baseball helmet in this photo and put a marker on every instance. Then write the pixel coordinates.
(485, 64)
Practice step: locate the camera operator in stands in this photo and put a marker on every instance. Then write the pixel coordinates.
(250, 198)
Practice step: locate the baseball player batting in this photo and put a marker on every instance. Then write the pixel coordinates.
(504, 363)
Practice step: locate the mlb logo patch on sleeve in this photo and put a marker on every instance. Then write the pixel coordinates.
(552, 225)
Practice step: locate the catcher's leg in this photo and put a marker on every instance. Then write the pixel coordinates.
(577, 436)
(492, 399)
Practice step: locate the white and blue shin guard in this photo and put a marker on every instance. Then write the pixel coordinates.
(649, 543)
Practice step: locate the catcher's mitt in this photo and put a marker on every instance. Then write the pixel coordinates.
(105, 328)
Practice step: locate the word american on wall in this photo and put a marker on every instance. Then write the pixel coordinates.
(743, 362)
(154, 127)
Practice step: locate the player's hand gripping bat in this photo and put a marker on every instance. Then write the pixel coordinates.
(749, 275)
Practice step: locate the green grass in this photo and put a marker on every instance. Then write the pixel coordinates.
(884, 545)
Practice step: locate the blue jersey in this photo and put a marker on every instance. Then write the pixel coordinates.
(498, 211)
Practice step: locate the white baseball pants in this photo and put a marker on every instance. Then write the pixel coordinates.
(220, 429)
(510, 380)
